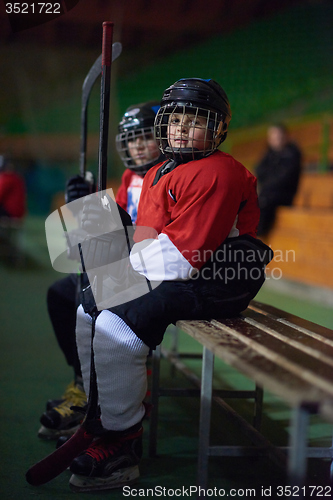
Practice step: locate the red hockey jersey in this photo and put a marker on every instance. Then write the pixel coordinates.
(129, 192)
(196, 206)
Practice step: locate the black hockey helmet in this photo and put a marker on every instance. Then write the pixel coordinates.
(198, 97)
(137, 123)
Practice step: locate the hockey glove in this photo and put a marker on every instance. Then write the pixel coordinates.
(77, 187)
(102, 215)
(75, 237)
(95, 218)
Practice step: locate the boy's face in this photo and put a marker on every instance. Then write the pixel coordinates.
(143, 149)
(188, 131)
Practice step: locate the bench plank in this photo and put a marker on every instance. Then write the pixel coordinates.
(303, 340)
(246, 358)
(302, 325)
(292, 359)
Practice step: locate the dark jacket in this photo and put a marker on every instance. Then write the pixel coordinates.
(278, 175)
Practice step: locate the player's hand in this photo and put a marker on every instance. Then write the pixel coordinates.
(95, 218)
(77, 187)
(102, 215)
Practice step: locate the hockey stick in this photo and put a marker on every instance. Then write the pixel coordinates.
(105, 104)
(58, 461)
(87, 86)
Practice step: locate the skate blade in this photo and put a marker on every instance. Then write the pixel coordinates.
(50, 434)
(119, 478)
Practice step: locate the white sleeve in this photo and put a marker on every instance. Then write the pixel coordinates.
(159, 259)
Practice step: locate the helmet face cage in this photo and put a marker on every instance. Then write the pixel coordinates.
(195, 104)
(139, 138)
(187, 133)
(135, 141)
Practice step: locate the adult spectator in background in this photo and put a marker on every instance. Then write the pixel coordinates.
(278, 174)
(12, 191)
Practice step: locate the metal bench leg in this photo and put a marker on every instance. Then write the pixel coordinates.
(297, 459)
(205, 416)
(153, 419)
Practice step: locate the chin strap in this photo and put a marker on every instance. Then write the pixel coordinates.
(167, 167)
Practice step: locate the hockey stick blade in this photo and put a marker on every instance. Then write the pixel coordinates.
(54, 464)
(96, 69)
(87, 86)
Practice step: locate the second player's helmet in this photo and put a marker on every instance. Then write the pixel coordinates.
(137, 127)
(194, 97)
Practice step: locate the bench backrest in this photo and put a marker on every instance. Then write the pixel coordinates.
(315, 191)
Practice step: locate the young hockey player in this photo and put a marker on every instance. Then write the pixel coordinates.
(138, 150)
(203, 206)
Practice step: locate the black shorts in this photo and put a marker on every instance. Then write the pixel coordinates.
(222, 289)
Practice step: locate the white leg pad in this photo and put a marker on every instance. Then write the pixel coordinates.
(83, 342)
(120, 362)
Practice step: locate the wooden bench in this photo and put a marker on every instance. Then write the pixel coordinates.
(315, 191)
(290, 357)
(302, 239)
